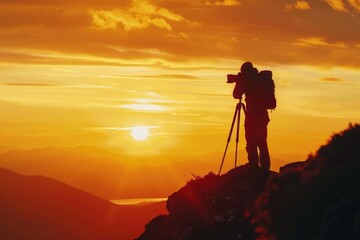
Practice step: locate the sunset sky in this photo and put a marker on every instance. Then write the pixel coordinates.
(85, 72)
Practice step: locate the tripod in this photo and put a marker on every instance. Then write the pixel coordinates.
(236, 116)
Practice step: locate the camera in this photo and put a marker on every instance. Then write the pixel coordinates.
(234, 78)
(241, 76)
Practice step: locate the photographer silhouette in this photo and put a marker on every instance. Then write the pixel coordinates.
(250, 83)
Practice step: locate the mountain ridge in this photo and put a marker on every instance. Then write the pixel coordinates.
(37, 207)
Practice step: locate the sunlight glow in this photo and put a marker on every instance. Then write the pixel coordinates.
(140, 133)
(144, 107)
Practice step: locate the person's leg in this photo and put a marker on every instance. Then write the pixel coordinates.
(264, 155)
(251, 143)
(263, 147)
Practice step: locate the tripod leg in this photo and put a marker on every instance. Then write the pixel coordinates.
(237, 133)
(229, 137)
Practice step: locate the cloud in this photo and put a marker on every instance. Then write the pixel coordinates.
(318, 41)
(355, 4)
(82, 86)
(30, 84)
(191, 123)
(144, 107)
(90, 86)
(331, 79)
(338, 5)
(140, 15)
(186, 113)
(344, 5)
(171, 77)
(267, 34)
(227, 3)
(120, 128)
(299, 5)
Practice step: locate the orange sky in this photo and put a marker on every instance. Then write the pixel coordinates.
(83, 73)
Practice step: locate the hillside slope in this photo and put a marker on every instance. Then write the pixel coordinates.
(36, 207)
(318, 198)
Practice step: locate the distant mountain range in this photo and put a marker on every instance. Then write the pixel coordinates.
(39, 208)
(5, 149)
(106, 174)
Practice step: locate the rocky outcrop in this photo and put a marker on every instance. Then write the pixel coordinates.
(213, 207)
(315, 199)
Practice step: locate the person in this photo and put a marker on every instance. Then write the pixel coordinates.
(256, 116)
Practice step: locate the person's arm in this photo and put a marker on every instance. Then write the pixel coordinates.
(238, 91)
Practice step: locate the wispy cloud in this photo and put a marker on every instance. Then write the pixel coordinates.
(163, 34)
(173, 76)
(224, 3)
(140, 15)
(90, 86)
(144, 107)
(120, 128)
(344, 5)
(318, 41)
(191, 123)
(19, 84)
(338, 5)
(355, 4)
(154, 99)
(186, 113)
(299, 5)
(83, 86)
(331, 79)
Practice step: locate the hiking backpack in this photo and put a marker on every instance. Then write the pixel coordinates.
(267, 88)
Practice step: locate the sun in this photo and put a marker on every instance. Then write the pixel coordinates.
(140, 133)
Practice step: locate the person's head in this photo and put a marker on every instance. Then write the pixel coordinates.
(246, 68)
(248, 71)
